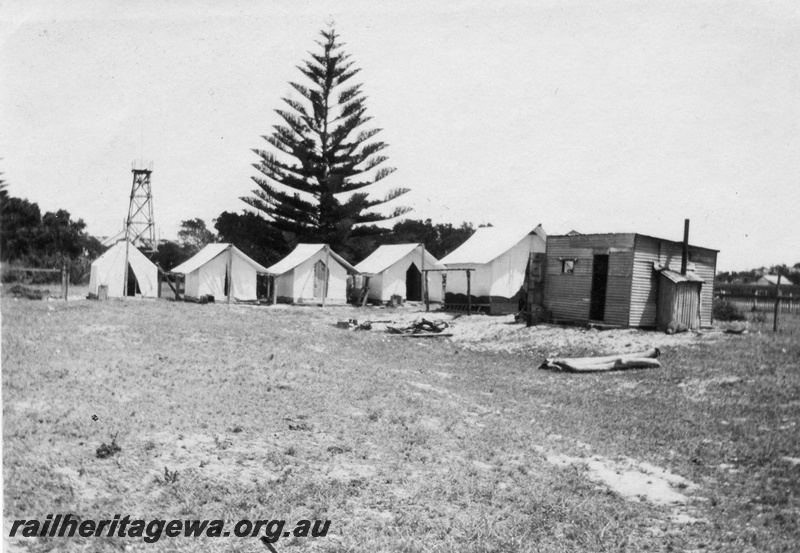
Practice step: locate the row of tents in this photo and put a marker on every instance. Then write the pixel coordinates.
(619, 279)
(491, 263)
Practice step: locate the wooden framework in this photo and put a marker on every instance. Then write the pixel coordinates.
(469, 286)
(62, 270)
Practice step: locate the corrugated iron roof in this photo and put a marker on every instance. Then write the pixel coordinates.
(488, 243)
(300, 254)
(675, 276)
(209, 252)
(773, 279)
(389, 254)
(635, 234)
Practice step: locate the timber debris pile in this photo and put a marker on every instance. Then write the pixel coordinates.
(647, 359)
(420, 328)
(353, 324)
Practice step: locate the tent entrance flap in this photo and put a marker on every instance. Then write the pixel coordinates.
(413, 283)
(320, 280)
(133, 283)
(597, 307)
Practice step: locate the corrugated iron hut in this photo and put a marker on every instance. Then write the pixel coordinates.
(498, 259)
(396, 269)
(629, 280)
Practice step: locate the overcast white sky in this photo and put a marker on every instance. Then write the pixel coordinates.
(599, 117)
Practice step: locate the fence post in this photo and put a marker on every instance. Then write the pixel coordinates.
(777, 304)
(64, 281)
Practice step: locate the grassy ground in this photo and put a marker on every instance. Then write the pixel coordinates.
(426, 445)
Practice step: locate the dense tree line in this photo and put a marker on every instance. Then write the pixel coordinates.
(252, 234)
(30, 239)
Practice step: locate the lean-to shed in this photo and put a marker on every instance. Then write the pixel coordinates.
(499, 258)
(629, 280)
(109, 270)
(222, 271)
(396, 270)
(311, 273)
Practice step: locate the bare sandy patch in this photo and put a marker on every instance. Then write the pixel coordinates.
(631, 479)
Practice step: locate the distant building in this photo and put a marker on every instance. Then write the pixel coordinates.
(772, 280)
(629, 280)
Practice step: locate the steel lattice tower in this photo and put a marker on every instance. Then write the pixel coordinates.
(140, 225)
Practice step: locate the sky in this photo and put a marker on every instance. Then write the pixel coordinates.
(593, 116)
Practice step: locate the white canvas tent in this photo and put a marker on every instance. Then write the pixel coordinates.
(311, 273)
(109, 270)
(222, 271)
(499, 257)
(397, 270)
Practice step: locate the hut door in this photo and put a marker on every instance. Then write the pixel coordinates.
(597, 306)
(320, 279)
(413, 284)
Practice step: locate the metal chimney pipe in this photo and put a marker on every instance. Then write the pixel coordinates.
(685, 254)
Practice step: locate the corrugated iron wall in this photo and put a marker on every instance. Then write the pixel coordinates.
(705, 266)
(678, 302)
(644, 287)
(632, 291)
(618, 293)
(567, 295)
(644, 296)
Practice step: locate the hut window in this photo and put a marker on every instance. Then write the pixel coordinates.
(567, 265)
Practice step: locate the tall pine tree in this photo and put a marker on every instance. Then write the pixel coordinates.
(312, 190)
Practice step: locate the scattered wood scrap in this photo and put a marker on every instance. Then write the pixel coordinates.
(353, 324)
(641, 360)
(422, 328)
(20, 291)
(735, 331)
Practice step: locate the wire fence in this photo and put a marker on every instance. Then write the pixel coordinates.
(762, 303)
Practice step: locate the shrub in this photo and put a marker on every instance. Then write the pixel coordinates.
(727, 311)
(758, 318)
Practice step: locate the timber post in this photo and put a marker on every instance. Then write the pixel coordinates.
(365, 291)
(424, 281)
(777, 304)
(685, 248)
(127, 269)
(469, 294)
(529, 292)
(230, 273)
(64, 281)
